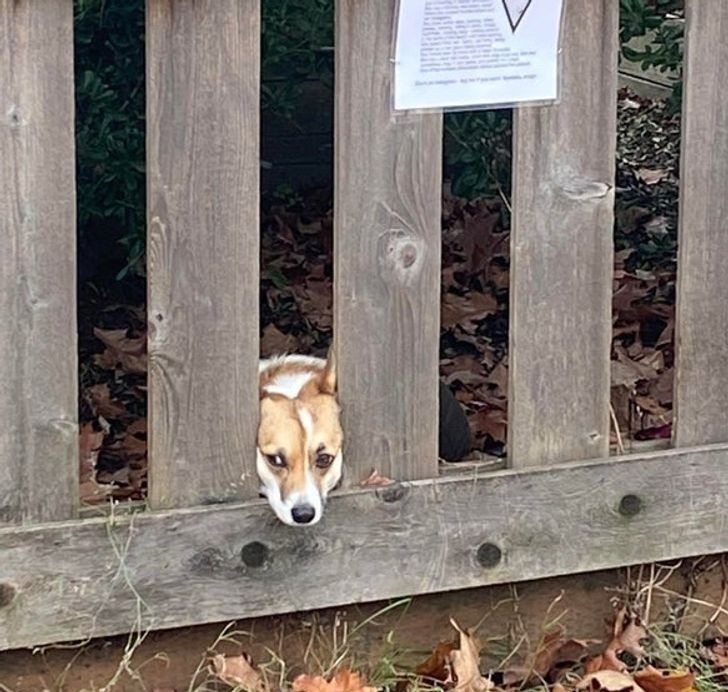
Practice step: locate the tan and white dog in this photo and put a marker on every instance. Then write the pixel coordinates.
(299, 458)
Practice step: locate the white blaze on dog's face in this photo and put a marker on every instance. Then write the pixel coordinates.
(299, 438)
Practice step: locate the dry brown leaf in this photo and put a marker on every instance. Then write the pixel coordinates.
(650, 405)
(464, 310)
(89, 444)
(628, 635)
(466, 664)
(653, 680)
(121, 350)
(100, 398)
(236, 671)
(555, 650)
(558, 687)
(273, 340)
(609, 681)
(651, 176)
(491, 422)
(719, 652)
(437, 665)
(375, 480)
(344, 681)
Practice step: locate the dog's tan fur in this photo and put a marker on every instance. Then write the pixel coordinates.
(299, 421)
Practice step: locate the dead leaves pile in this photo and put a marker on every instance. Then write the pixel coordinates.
(113, 432)
(239, 673)
(557, 664)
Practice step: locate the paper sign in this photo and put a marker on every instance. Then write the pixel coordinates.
(471, 53)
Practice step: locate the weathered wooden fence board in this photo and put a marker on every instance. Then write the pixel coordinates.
(387, 261)
(198, 565)
(202, 140)
(701, 397)
(38, 362)
(561, 251)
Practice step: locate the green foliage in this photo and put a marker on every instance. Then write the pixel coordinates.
(297, 44)
(665, 50)
(109, 73)
(477, 150)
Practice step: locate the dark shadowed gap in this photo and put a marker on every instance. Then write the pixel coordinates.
(111, 212)
(475, 271)
(297, 134)
(646, 217)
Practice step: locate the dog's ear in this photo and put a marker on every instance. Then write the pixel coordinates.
(328, 375)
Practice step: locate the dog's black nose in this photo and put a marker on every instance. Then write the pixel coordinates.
(303, 514)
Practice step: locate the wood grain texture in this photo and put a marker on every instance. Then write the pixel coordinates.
(202, 155)
(193, 566)
(701, 394)
(561, 251)
(387, 256)
(38, 352)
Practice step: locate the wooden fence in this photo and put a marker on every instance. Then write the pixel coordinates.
(206, 548)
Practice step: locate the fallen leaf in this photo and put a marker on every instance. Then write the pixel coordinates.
(651, 176)
(719, 652)
(555, 650)
(89, 444)
(375, 480)
(437, 666)
(628, 635)
(653, 680)
(344, 681)
(273, 341)
(467, 309)
(609, 681)
(236, 671)
(121, 350)
(99, 396)
(466, 664)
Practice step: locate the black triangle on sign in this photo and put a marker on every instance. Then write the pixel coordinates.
(514, 21)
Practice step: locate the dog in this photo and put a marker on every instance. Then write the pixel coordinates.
(299, 456)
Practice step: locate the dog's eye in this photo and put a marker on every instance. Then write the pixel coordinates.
(276, 460)
(323, 461)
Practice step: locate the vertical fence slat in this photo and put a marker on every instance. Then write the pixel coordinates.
(701, 396)
(561, 257)
(38, 353)
(387, 264)
(203, 170)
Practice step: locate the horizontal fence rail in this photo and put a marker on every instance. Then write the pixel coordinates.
(214, 564)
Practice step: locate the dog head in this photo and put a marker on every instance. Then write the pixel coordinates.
(299, 457)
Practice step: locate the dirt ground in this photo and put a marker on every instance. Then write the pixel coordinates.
(509, 618)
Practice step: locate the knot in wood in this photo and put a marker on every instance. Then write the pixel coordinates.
(401, 256)
(392, 492)
(580, 189)
(14, 119)
(630, 505)
(489, 555)
(254, 554)
(7, 594)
